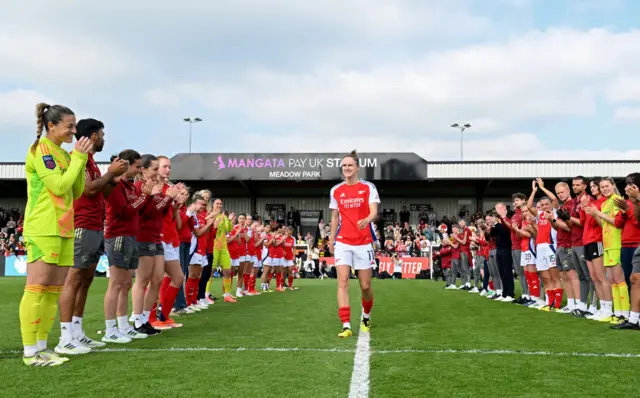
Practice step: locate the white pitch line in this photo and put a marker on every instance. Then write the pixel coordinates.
(513, 352)
(359, 387)
(351, 351)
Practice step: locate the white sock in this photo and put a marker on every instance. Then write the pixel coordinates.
(41, 345)
(111, 326)
(571, 303)
(346, 325)
(606, 306)
(499, 291)
(617, 313)
(365, 315)
(66, 333)
(145, 316)
(226, 295)
(582, 306)
(634, 317)
(138, 320)
(625, 314)
(123, 323)
(76, 326)
(30, 350)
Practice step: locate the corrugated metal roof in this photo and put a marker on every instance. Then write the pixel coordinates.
(519, 170)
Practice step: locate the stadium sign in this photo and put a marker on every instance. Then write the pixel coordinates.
(294, 166)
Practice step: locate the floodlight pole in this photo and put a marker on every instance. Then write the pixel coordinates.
(191, 121)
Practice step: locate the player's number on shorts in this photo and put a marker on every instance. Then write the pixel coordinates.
(552, 259)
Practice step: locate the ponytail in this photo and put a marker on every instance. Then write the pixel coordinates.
(41, 108)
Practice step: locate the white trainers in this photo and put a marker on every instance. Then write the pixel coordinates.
(239, 293)
(73, 347)
(483, 293)
(116, 337)
(474, 290)
(202, 306)
(132, 334)
(507, 299)
(87, 342)
(194, 308)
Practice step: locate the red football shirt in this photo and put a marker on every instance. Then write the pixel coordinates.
(278, 250)
(169, 228)
(352, 203)
(288, 248)
(89, 210)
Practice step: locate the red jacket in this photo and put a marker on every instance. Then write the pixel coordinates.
(592, 232)
(122, 207)
(630, 227)
(151, 217)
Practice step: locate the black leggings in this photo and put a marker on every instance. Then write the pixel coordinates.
(204, 278)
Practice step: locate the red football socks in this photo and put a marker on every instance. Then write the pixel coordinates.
(345, 314)
(558, 294)
(168, 300)
(246, 280)
(290, 281)
(165, 283)
(192, 291)
(366, 306)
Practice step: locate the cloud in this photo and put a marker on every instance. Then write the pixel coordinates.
(628, 113)
(624, 88)
(498, 86)
(17, 107)
(330, 75)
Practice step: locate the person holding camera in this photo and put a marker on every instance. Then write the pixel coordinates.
(397, 267)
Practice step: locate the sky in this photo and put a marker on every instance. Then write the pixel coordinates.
(536, 79)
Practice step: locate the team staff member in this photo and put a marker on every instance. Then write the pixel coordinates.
(122, 222)
(54, 180)
(503, 253)
(516, 220)
(89, 242)
(354, 205)
(587, 288)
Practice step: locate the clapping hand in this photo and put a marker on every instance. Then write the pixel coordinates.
(83, 145)
(118, 167)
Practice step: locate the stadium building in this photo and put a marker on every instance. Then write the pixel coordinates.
(270, 183)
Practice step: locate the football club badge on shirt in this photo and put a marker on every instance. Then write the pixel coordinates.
(49, 163)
